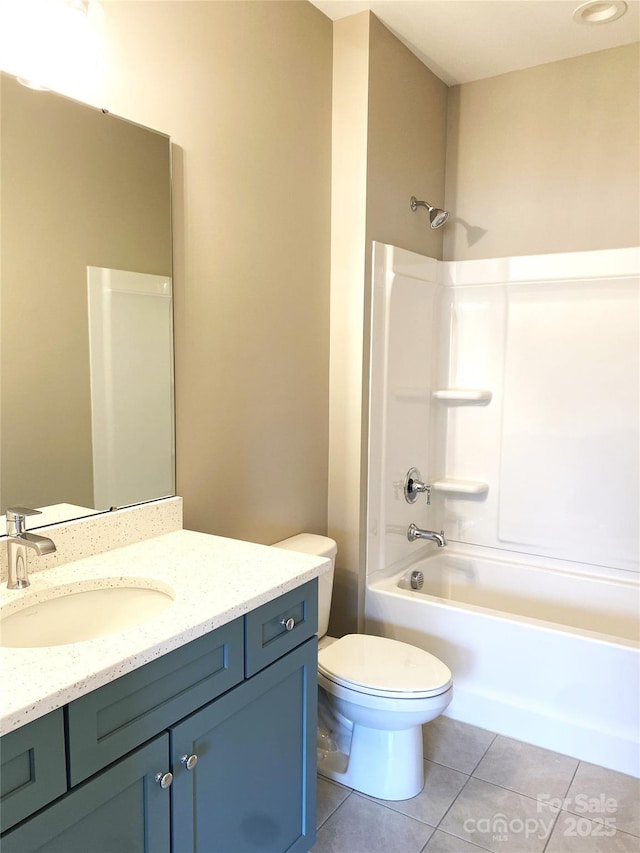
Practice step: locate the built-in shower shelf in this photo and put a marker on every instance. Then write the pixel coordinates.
(463, 396)
(460, 487)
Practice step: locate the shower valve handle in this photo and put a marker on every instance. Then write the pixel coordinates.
(418, 487)
(413, 486)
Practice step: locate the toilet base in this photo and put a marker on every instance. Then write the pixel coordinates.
(383, 764)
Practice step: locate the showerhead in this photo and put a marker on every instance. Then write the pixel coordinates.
(437, 216)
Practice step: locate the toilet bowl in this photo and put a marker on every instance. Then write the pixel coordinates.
(374, 696)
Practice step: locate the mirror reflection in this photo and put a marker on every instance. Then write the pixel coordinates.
(86, 361)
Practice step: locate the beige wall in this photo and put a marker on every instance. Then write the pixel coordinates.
(79, 189)
(388, 144)
(244, 89)
(546, 159)
(348, 238)
(406, 145)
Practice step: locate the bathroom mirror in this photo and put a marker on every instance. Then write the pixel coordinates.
(80, 395)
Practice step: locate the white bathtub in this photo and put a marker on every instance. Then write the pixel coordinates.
(544, 654)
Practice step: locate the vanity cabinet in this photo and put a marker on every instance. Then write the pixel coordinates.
(231, 716)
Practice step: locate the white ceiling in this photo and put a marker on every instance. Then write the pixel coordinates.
(464, 40)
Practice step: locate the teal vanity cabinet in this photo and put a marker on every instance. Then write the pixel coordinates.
(208, 749)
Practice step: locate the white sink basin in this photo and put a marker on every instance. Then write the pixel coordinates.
(78, 613)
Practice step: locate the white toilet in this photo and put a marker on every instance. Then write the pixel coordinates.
(374, 695)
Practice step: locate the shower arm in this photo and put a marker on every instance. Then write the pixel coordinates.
(415, 204)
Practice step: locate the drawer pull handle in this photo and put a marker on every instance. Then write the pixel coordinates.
(189, 761)
(164, 779)
(289, 623)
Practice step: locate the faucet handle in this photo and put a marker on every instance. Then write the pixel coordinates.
(16, 516)
(413, 486)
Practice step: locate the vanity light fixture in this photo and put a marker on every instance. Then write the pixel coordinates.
(53, 44)
(600, 11)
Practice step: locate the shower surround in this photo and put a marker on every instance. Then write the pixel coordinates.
(513, 386)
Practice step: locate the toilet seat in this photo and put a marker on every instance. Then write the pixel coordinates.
(382, 667)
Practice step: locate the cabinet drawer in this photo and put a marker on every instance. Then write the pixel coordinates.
(266, 635)
(33, 770)
(112, 720)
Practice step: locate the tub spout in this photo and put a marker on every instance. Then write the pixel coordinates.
(414, 533)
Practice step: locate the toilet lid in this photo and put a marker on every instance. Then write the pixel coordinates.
(383, 667)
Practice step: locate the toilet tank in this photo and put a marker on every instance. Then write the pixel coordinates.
(320, 546)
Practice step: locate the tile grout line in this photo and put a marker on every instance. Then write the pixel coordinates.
(573, 778)
(458, 838)
(551, 830)
(333, 811)
(469, 776)
(450, 807)
(383, 804)
(475, 766)
(493, 740)
(560, 810)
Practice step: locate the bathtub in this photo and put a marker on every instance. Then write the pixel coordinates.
(545, 654)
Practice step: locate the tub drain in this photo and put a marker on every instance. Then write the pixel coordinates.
(417, 580)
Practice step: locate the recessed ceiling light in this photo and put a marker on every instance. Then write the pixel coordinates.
(80, 6)
(599, 11)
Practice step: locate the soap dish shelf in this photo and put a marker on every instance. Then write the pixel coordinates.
(470, 488)
(463, 396)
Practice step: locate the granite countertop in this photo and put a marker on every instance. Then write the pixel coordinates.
(213, 580)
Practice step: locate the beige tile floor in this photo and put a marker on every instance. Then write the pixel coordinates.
(487, 792)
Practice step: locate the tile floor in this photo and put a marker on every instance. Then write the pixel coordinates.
(487, 792)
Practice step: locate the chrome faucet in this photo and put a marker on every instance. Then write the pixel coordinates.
(414, 533)
(413, 486)
(18, 542)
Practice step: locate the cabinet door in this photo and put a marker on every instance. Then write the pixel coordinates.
(122, 810)
(253, 788)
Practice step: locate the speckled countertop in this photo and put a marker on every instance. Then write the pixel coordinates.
(213, 580)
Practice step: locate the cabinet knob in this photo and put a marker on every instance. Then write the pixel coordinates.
(289, 623)
(189, 761)
(164, 779)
